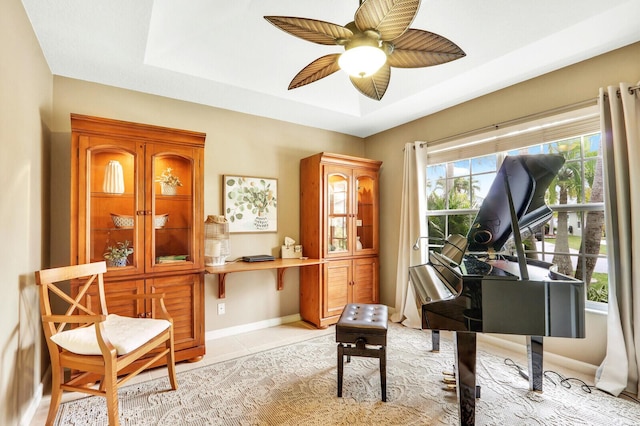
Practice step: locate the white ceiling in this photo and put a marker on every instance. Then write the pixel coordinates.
(224, 54)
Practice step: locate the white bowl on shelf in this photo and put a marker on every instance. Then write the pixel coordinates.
(126, 222)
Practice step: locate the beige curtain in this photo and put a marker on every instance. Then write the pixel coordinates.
(412, 226)
(620, 125)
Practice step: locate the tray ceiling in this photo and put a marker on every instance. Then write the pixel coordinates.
(226, 55)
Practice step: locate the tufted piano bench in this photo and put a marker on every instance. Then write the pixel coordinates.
(362, 331)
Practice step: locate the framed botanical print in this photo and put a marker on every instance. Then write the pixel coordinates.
(250, 203)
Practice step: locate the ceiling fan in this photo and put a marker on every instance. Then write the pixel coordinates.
(378, 38)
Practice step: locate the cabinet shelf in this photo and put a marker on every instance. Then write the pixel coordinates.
(164, 228)
(178, 197)
(108, 195)
(100, 194)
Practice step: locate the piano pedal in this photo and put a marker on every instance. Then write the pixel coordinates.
(448, 373)
(449, 380)
(452, 387)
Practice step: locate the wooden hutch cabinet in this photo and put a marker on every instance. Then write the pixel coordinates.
(339, 224)
(116, 197)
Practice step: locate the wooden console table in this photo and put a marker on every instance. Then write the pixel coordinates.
(280, 264)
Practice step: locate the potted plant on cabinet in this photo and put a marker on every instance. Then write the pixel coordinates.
(169, 182)
(116, 255)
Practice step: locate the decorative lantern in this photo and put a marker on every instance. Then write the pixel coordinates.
(216, 240)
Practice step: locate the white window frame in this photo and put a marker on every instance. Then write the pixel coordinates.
(523, 133)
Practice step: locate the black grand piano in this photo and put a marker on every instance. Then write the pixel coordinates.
(473, 286)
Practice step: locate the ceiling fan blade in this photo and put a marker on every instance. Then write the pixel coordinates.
(391, 18)
(320, 68)
(419, 48)
(312, 30)
(375, 86)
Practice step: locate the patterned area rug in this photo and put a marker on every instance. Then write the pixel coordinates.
(296, 385)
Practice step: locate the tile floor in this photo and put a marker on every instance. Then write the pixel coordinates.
(218, 350)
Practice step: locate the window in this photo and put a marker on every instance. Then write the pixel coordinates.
(573, 239)
(455, 192)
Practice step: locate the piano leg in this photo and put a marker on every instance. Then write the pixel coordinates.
(435, 340)
(466, 376)
(535, 355)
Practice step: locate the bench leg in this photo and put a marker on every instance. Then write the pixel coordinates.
(383, 373)
(340, 368)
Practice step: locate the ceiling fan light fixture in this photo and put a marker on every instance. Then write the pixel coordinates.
(378, 39)
(362, 61)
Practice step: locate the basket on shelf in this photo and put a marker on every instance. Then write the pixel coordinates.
(126, 221)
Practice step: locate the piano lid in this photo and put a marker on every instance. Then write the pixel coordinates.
(529, 176)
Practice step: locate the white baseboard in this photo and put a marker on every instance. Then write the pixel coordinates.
(232, 331)
(31, 410)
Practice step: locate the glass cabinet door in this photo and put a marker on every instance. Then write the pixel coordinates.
(113, 231)
(338, 213)
(138, 209)
(366, 239)
(172, 195)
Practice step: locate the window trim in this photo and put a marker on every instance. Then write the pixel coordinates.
(578, 123)
(508, 137)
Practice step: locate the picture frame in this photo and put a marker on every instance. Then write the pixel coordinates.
(250, 203)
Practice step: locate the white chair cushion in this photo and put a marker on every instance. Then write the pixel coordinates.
(126, 334)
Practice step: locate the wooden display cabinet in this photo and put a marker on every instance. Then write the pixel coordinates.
(166, 231)
(339, 224)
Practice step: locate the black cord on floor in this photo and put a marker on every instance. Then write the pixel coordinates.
(521, 371)
(629, 396)
(565, 381)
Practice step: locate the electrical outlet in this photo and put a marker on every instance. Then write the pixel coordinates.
(221, 309)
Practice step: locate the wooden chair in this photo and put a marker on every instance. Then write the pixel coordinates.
(101, 347)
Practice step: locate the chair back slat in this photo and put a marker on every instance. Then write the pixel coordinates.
(73, 303)
(66, 273)
(51, 279)
(76, 303)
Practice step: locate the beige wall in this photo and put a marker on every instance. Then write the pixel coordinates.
(25, 113)
(236, 144)
(563, 87)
